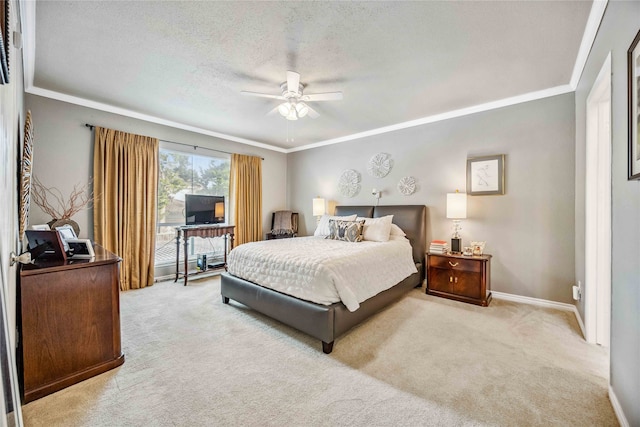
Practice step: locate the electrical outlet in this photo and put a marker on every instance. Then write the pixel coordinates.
(577, 291)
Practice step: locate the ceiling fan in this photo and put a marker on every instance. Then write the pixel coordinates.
(294, 106)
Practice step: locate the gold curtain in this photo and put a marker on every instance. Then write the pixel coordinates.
(246, 187)
(125, 187)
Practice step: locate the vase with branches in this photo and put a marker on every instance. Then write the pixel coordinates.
(61, 209)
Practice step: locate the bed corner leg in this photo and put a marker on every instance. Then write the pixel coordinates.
(327, 347)
(225, 300)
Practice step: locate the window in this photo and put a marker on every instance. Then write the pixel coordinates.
(183, 173)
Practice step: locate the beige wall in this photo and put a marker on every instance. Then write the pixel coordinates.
(64, 152)
(529, 230)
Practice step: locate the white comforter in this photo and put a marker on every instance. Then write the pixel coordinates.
(324, 271)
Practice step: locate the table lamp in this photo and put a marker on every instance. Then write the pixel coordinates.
(219, 211)
(318, 208)
(456, 210)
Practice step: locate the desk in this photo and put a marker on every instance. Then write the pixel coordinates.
(207, 232)
(68, 316)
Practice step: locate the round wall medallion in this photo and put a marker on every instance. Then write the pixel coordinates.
(349, 183)
(407, 185)
(380, 165)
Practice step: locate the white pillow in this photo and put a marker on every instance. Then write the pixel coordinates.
(396, 231)
(377, 229)
(323, 225)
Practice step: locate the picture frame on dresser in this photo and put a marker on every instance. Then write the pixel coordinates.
(80, 249)
(485, 175)
(46, 245)
(633, 86)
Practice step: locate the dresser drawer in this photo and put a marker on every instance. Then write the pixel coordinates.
(455, 263)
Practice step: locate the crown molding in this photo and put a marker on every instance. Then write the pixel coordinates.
(532, 96)
(590, 32)
(146, 117)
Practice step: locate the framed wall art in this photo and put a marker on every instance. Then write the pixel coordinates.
(633, 87)
(485, 175)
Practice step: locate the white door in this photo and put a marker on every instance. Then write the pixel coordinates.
(598, 210)
(11, 413)
(11, 123)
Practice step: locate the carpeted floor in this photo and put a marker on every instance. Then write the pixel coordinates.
(192, 361)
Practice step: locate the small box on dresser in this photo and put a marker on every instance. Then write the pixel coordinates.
(461, 278)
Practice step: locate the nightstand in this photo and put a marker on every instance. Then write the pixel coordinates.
(462, 278)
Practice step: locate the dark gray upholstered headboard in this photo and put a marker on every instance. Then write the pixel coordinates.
(363, 211)
(411, 218)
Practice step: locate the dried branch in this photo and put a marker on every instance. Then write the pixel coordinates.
(53, 203)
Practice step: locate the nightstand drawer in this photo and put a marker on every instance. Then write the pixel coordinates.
(455, 263)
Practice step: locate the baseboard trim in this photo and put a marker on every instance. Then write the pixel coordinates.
(617, 408)
(543, 303)
(533, 301)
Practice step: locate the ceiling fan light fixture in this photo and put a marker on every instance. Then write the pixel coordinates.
(284, 109)
(293, 114)
(302, 110)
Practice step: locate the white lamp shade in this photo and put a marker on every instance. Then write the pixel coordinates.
(456, 205)
(318, 206)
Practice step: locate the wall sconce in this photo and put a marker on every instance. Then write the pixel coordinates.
(318, 208)
(377, 194)
(456, 210)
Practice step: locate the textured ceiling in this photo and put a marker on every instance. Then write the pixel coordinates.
(394, 61)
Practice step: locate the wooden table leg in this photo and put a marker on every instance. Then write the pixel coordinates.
(177, 255)
(186, 257)
(225, 252)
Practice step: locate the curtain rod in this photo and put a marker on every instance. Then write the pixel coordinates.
(195, 147)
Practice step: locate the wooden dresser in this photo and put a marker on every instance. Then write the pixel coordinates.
(68, 317)
(462, 278)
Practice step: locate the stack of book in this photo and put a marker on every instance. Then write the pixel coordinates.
(439, 247)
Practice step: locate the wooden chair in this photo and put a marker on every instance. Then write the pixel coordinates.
(294, 225)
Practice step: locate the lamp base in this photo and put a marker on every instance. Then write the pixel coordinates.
(456, 246)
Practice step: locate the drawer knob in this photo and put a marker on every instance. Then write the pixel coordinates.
(452, 264)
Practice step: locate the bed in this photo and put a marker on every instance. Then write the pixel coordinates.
(327, 322)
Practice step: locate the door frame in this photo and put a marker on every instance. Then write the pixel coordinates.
(598, 209)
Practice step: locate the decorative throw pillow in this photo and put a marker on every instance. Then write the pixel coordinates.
(348, 231)
(323, 225)
(378, 229)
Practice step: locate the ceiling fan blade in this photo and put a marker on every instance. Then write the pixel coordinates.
(293, 81)
(272, 112)
(262, 95)
(329, 96)
(312, 113)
